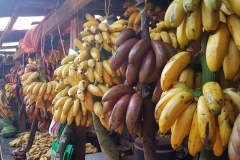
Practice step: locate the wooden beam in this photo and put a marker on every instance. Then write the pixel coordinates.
(29, 3)
(8, 47)
(17, 54)
(62, 14)
(9, 27)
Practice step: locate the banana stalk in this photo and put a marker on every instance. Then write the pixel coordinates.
(149, 139)
(33, 130)
(207, 76)
(104, 139)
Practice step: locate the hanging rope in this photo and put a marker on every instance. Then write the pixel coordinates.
(107, 7)
(59, 32)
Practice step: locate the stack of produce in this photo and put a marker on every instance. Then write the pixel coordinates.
(41, 148)
(85, 77)
(5, 109)
(38, 95)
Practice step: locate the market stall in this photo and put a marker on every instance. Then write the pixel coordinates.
(124, 80)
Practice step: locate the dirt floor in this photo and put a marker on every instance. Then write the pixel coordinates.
(6, 149)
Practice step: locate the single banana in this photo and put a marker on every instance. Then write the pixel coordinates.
(194, 140)
(173, 68)
(182, 126)
(95, 53)
(231, 61)
(206, 123)
(94, 90)
(98, 109)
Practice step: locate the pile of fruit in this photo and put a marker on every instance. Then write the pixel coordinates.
(41, 148)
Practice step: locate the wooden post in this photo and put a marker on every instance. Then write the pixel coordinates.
(79, 132)
(76, 27)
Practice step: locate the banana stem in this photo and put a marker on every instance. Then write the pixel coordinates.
(104, 140)
(149, 124)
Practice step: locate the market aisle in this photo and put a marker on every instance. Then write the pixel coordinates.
(6, 149)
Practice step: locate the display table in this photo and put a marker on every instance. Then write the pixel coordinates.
(103, 156)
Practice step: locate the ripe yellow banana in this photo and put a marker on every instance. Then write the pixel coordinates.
(217, 46)
(194, 25)
(107, 47)
(168, 14)
(132, 18)
(26, 75)
(218, 148)
(71, 81)
(225, 120)
(98, 109)
(231, 61)
(213, 5)
(106, 37)
(165, 37)
(233, 23)
(78, 44)
(81, 95)
(173, 68)
(89, 17)
(90, 74)
(210, 20)
(88, 103)
(78, 117)
(67, 105)
(117, 27)
(36, 88)
(235, 6)
(70, 116)
(173, 109)
(49, 88)
(177, 13)
(213, 94)
(165, 99)
(86, 46)
(182, 126)
(226, 7)
(187, 76)
(103, 27)
(107, 78)
(190, 5)
(94, 90)
(72, 91)
(107, 68)
(97, 77)
(173, 39)
(42, 89)
(235, 97)
(68, 59)
(194, 140)
(89, 119)
(103, 88)
(95, 53)
(90, 23)
(206, 123)
(98, 38)
(236, 78)
(94, 30)
(181, 33)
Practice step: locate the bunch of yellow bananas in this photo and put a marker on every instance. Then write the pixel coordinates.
(95, 34)
(37, 91)
(5, 109)
(206, 121)
(8, 92)
(219, 18)
(80, 78)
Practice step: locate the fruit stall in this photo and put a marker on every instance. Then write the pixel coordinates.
(120, 80)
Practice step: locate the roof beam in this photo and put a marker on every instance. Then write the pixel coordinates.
(29, 3)
(62, 14)
(9, 27)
